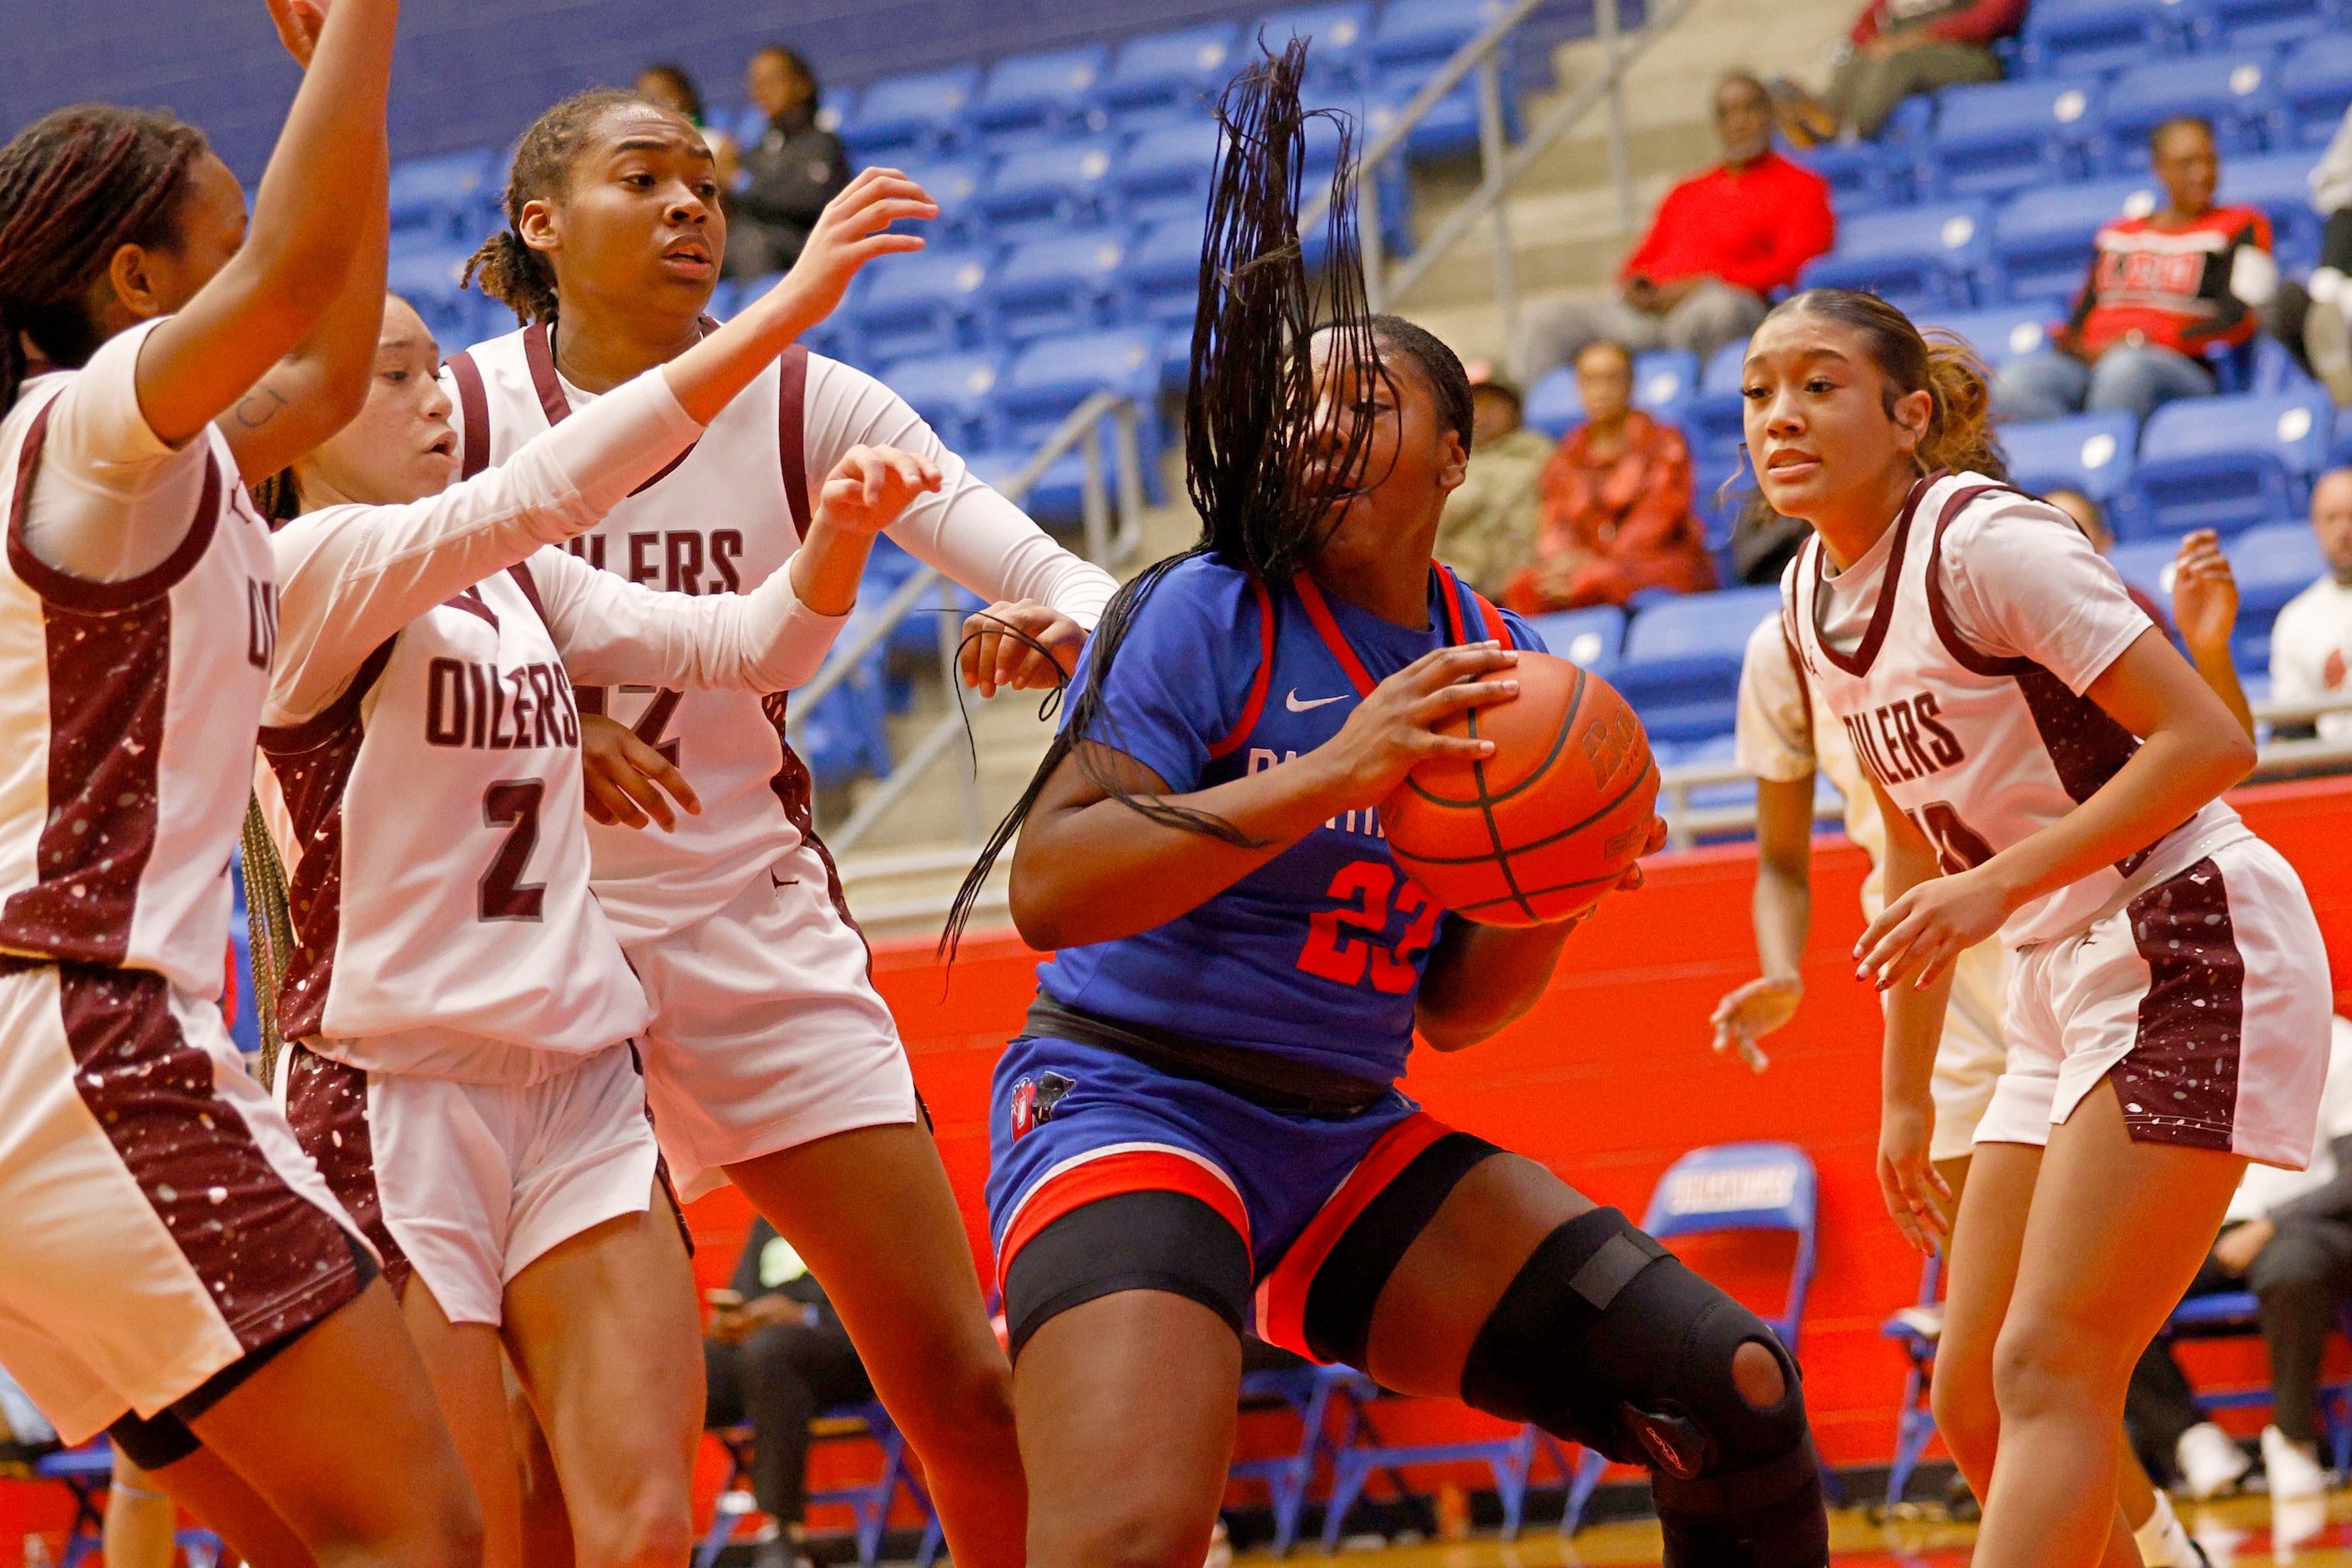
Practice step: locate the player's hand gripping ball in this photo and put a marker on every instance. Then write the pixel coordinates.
(1543, 829)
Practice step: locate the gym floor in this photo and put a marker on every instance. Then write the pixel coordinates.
(2237, 1532)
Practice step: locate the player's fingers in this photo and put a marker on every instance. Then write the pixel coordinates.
(610, 804)
(1447, 700)
(1428, 745)
(1632, 880)
(664, 773)
(1443, 665)
(634, 782)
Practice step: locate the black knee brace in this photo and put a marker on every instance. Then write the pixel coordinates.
(1606, 1339)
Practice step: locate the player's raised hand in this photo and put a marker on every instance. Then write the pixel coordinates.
(1394, 729)
(626, 778)
(298, 24)
(2204, 593)
(1918, 1197)
(1750, 1012)
(854, 228)
(1919, 935)
(871, 486)
(1000, 647)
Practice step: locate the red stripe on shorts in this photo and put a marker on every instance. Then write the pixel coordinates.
(1282, 1294)
(1108, 1176)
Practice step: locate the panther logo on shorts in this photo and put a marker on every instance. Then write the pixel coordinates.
(1034, 1100)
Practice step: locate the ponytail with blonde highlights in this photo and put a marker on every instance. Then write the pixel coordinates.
(1959, 436)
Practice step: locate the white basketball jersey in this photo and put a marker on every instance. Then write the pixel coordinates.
(127, 716)
(1979, 752)
(720, 519)
(437, 871)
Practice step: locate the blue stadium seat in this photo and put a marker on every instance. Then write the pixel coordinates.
(2146, 565)
(1164, 77)
(2042, 240)
(1911, 123)
(2237, 93)
(2064, 36)
(901, 116)
(1861, 175)
(1715, 419)
(2225, 463)
(953, 394)
(2000, 137)
(1681, 665)
(1726, 371)
(1162, 276)
(2272, 563)
(1554, 405)
(1038, 95)
(2093, 453)
(2315, 89)
(1164, 174)
(1338, 39)
(2001, 333)
(428, 280)
(1047, 190)
(926, 303)
(1664, 381)
(1389, 181)
(1588, 638)
(1922, 259)
(2280, 184)
(1421, 35)
(1054, 375)
(2218, 24)
(446, 196)
(1450, 129)
(1047, 288)
(955, 185)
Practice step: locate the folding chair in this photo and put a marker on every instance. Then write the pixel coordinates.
(1916, 1330)
(1305, 1390)
(1360, 1452)
(2235, 1314)
(870, 1504)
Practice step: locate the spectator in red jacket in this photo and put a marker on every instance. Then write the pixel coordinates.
(1897, 48)
(1720, 243)
(2163, 290)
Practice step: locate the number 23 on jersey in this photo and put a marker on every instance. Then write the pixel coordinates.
(1340, 943)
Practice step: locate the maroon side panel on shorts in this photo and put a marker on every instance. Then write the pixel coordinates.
(327, 1103)
(274, 1261)
(2179, 1084)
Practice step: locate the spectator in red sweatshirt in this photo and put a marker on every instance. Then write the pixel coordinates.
(1720, 243)
(1897, 48)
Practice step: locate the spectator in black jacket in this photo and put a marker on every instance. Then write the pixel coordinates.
(789, 174)
(775, 1357)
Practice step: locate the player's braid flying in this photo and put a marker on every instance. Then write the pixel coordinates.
(1263, 474)
(75, 187)
(508, 270)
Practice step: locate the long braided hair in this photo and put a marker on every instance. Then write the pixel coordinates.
(1265, 479)
(75, 187)
(507, 269)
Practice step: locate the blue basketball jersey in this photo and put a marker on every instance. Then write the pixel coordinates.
(1318, 954)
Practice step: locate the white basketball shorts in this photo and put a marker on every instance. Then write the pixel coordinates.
(466, 1184)
(158, 1221)
(2207, 998)
(1969, 1059)
(767, 1032)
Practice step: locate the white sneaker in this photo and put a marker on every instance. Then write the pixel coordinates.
(2293, 1469)
(1221, 1548)
(2210, 1461)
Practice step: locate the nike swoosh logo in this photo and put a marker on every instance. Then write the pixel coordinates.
(783, 882)
(1296, 706)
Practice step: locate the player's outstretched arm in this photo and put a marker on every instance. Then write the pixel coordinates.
(1782, 912)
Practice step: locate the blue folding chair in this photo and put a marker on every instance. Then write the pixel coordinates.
(86, 1473)
(1999, 137)
(2042, 241)
(1722, 1188)
(1589, 638)
(904, 116)
(2093, 453)
(1038, 95)
(2236, 1314)
(1920, 260)
(1917, 1331)
(2315, 89)
(1554, 405)
(1170, 77)
(1162, 275)
(870, 1505)
(1338, 39)
(926, 303)
(951, 392)
(1715, 419)
(2224, 463)
(1360, 1452)
(1050, 286)
(2079, 36)
(2001, 334)
(1307, 1390)
(2237, 94)
(1046, 191)
(1680, 668)
(1164, 174)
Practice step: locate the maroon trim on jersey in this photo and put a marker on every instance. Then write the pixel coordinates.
(1940, 613)
(327, 1102)
(1254, 704)
(796, 792)
(520, 572)
(2179, 1084)
(473, 603)
(1874, 636)
(792, 432)
(474, 406)
(539, 354)
(272, 1261)
(79, 594)
(313, 761)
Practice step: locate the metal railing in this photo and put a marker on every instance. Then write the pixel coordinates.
(1111, 506)
(1501, 166)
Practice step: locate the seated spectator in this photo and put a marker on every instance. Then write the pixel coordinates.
(1897, 48)
(776, 1356)
(2162, 290)
(2315, 320)
(788, 175)
(2287, 1238)
(2310, 641)
(1616, 503)
(667, 84)
(1489, 528)
(1720, 243)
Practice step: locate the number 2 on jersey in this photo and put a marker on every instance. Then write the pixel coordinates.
(513, 804)
(1332, 953)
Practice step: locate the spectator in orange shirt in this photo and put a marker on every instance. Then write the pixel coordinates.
(1720, 243)
(1616, 503)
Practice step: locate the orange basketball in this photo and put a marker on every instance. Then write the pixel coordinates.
(1543, 828)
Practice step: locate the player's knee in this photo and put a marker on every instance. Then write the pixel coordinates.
(1604, 1337)
(653, 1527)
(2045, 1363)
(967, 1406)
(1142, 1528)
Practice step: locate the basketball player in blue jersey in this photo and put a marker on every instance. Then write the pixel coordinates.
(1200, 1127)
